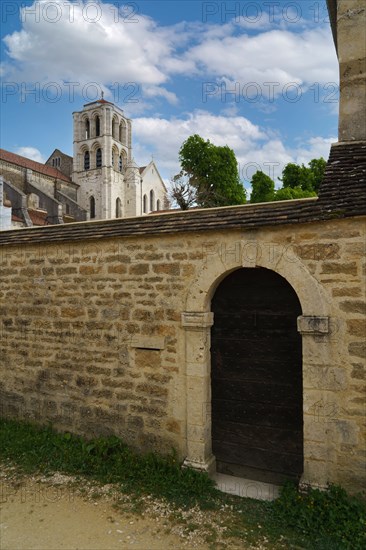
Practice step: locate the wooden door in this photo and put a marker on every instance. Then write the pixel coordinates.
(257, 421)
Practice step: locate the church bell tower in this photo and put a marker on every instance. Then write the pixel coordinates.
(102, 153)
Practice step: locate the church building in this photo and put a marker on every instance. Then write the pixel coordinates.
(101, 181)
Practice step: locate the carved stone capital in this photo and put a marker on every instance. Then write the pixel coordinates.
(197, 320)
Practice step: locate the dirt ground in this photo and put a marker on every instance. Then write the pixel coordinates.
(36, 515)
(61, 512)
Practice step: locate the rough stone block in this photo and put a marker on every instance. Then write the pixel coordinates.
(313, 324)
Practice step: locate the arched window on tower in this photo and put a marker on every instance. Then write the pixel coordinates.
(152, 200)
(92, 207)
(158, 205)
(86, 160)
(123, 133)
(97, 126)
(115, 128)
(118, 208)
(112, 158)
(120, 163)
(144, 204)
(98, 158)
(87, 129)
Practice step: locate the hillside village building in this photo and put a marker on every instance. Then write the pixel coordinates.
(101, 180)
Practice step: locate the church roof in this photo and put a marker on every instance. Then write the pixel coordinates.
(99, 101)
(24, 162)
(58, 152)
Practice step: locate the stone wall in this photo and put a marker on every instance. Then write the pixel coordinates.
(15, 174)
(113, 336)
(351, 22)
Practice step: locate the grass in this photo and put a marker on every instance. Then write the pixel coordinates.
(319, 520)
(107, 460)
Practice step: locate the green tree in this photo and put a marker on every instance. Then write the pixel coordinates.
(308, 178)
(294, 175)
(288, 193)
(212, 171)
(318, 166)
(263, 188)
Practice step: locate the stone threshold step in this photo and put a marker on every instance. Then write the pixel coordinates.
(246, 487)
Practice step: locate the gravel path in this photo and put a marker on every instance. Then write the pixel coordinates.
(62, 512)
(37, 515)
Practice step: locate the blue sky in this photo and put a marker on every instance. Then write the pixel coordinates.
(259, 76)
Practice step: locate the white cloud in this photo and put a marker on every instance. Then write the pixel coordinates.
(273, 156)
(255, 148)
(74, 48)
(315, 147)
(164, 137)
(30, 153)
(278, 57)
(62, 44)
(156, 91)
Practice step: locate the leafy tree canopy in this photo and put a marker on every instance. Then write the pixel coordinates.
(308, 178)
(288, 193)
(209, 175)
(298, 182)
(318, 166)
(263, 188)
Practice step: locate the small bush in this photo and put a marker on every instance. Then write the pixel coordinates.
(331, 519)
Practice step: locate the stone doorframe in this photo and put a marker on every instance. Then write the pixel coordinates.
(197, 320)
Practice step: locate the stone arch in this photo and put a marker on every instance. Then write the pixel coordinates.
(152, 200)
(144, 204)
(93, 123)
(115, 157)
(311, 295)
(97, 125)
(92, 209)
(85, 125)
(82, 157)
(122, 162)
(115, 127)
(118, 208)
(93, 154)
(123, 132)
(197, 320)
(96, 145)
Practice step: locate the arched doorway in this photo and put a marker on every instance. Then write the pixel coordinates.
(256, 377)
